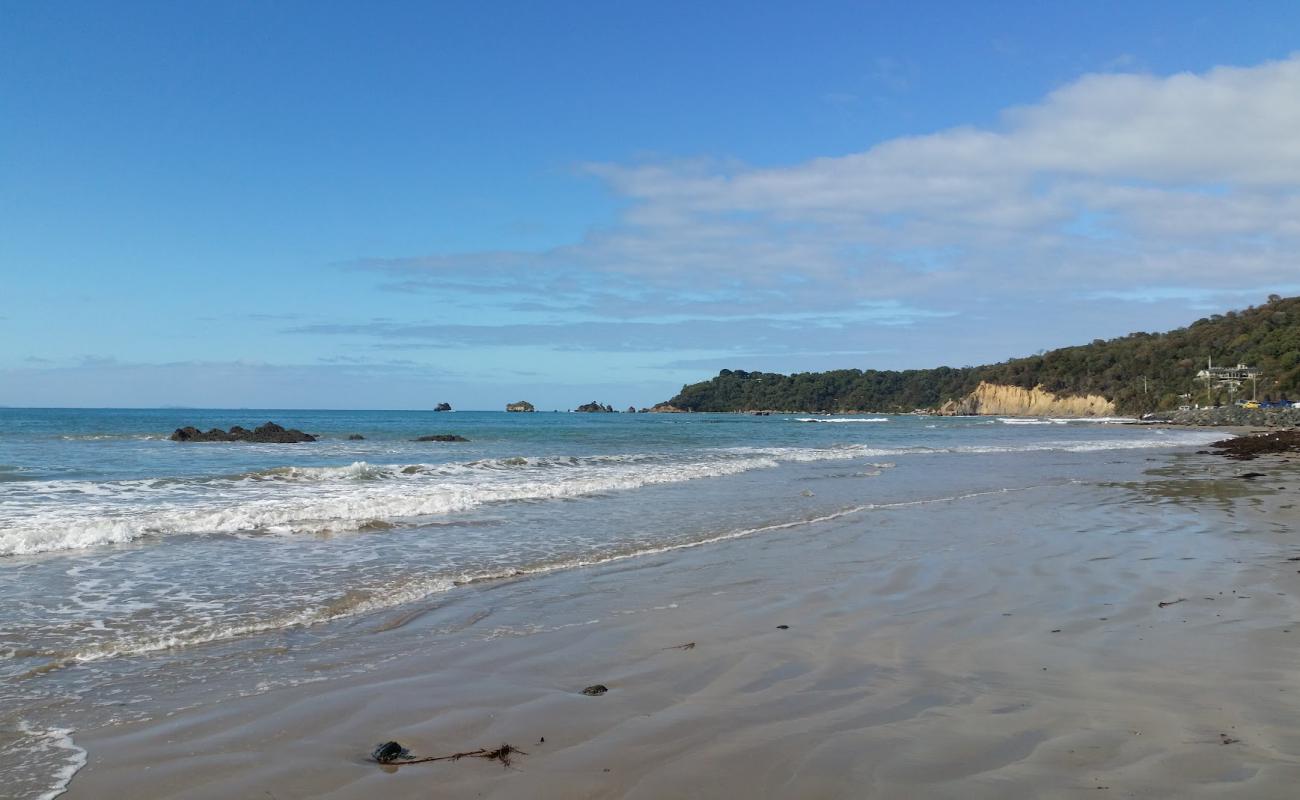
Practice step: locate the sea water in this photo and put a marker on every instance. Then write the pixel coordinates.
(133, 567)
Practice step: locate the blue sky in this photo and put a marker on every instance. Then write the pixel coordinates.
(388, 205)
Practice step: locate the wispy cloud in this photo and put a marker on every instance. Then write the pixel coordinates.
(1115, 180)
(750, 334)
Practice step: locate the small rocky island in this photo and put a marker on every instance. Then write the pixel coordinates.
(522, 405)
(270, 433)
(442, 407)
(441, 437)
(595, 408)
(665, 408)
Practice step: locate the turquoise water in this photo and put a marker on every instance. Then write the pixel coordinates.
(127, 560)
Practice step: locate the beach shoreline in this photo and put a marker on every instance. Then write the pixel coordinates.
(932, 650)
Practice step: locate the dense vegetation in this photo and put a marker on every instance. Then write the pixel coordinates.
(1140, 372)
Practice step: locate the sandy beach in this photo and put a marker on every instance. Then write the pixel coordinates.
(1004, 644)
(656, 401)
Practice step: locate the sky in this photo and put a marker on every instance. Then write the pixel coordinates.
(390, 205)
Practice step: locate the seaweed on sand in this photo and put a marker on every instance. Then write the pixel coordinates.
(393, 754)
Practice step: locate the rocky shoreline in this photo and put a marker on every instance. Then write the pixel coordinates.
(1234, 416)
(1247, 448)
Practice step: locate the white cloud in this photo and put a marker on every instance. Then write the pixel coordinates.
(1112, 182)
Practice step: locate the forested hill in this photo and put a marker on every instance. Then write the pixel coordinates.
(1140, 372)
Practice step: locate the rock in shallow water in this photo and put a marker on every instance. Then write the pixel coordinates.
(270, 433)
(442, 437)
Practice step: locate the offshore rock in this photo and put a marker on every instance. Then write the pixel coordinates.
(595, 408)
(441, 437)
(666, 408)
(1013, 401)
(442, 407)
(522, 405)
(270, 433)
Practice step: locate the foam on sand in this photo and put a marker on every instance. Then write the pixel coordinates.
(38, 762)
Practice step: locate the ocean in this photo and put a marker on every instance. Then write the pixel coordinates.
(139, 575)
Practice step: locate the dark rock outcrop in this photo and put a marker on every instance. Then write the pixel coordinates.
(356, 437)
(593, 407)
(631, 409)
(441, 437)
(270, 433)
(1246, 448)
(442, 407)
(522, 405)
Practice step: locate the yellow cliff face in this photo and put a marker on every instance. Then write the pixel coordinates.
(1013, 401)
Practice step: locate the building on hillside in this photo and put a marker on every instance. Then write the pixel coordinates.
(1230, 378)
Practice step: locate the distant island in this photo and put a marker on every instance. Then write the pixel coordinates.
(1131, 375)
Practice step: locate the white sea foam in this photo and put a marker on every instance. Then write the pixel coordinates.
(50, 752)
(111, 437)
(1098, 420)
(69, 515)
(1065, 420)
(843, 419)
(336, 499)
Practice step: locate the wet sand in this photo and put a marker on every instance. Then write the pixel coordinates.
(1005, 645)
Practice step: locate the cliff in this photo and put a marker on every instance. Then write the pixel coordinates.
(1013, 401)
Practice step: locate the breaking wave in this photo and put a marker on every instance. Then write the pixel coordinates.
(43, 516)
(843, 419)
(1066, 420)
(71, 515)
